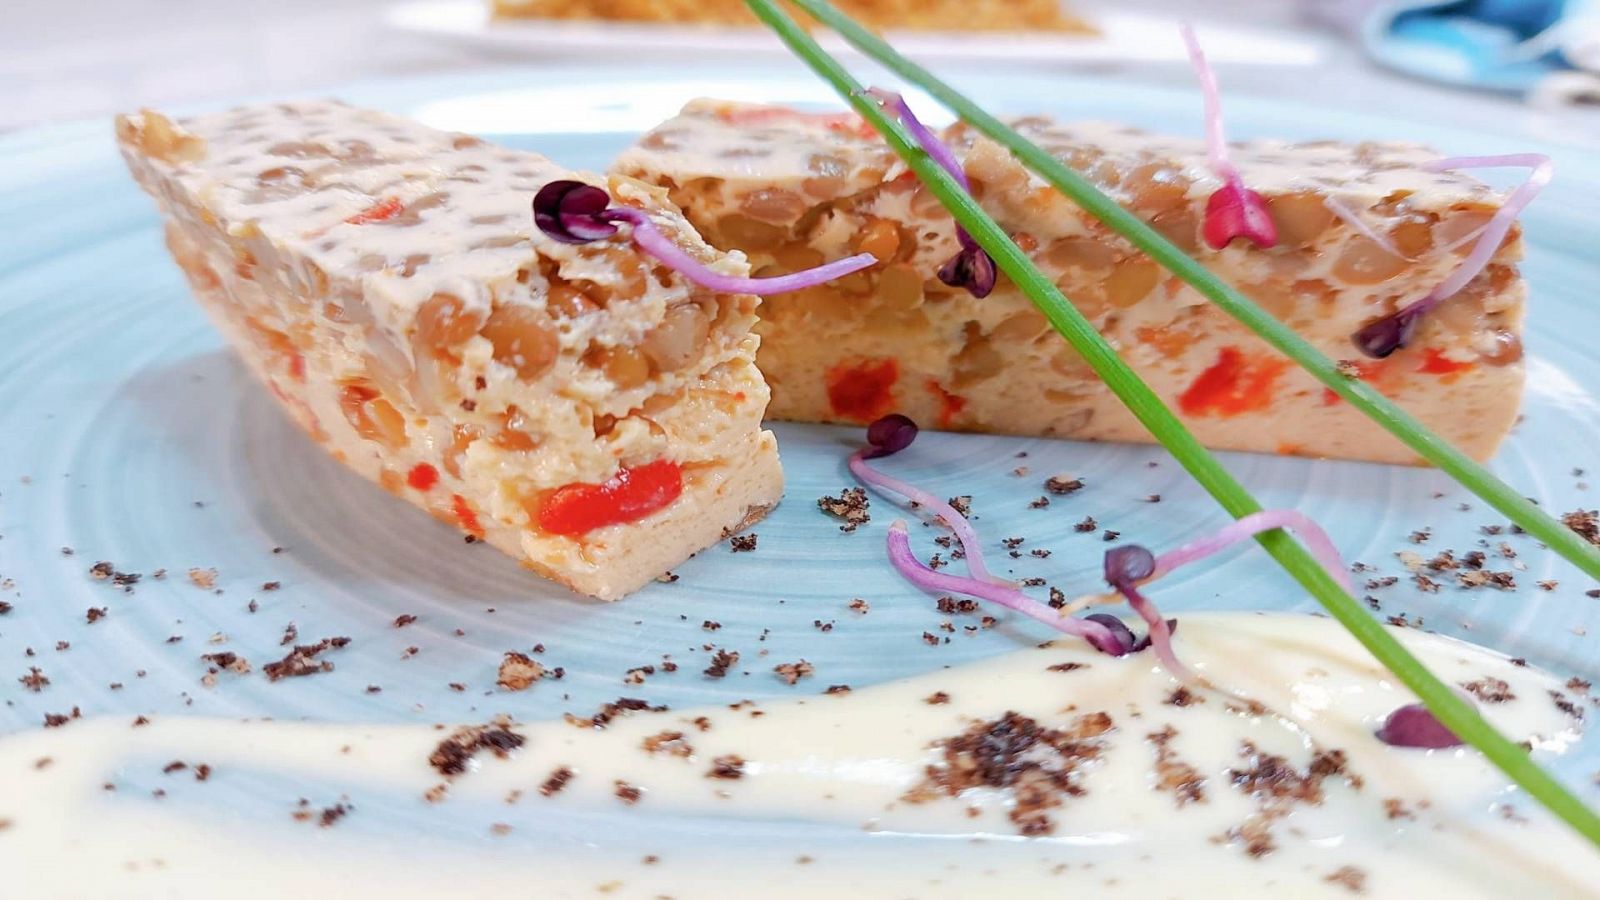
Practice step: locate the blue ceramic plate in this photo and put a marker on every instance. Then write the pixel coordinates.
(129, 434)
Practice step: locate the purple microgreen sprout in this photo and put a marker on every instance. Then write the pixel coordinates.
(1233, 211)
(915, 571)
(1311, 534)
(1384, 336)
(576, 213)
(972, 268)
(1125, 567)
(1413, 725)
(888, 436)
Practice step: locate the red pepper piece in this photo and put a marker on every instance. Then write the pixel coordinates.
(422, 477)
(1233, 384)
(387, 208)
(630, 495)
(863, 391)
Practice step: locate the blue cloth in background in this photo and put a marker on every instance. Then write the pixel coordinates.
(1504, 45)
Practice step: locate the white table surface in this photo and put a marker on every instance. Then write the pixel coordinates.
(66, 59)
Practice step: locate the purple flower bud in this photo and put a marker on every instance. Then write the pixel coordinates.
(890, 434)
(1119, 632)
(973, 269)
(1384, 336)
(1413, 725)
(572, 212)
(1129, 564)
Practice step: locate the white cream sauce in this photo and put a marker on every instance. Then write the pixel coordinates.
(1420, 823)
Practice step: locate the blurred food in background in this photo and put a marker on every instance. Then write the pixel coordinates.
(919, 15)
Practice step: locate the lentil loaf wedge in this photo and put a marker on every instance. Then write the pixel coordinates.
(581, 408)
(792, 188)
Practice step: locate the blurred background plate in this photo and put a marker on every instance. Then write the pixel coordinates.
(1125, 37)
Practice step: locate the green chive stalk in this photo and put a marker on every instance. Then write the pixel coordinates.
(1455, 713)
(1362, 396)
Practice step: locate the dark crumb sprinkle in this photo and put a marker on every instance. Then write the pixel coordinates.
(822, 626)
(793, 671)
(1592, 594)
(851, 505)
(743, 543)
(837, 689)
(1548, 584)
(5, 607)
(556, 782)
(930, 639)
(1173, 774)
(1585, 522)
(860, 605)
(518, 671)
(35, 680)
(1087, 525)
(1182, 696)
(729, 767)
(710, 625)
(1349, 877)
(1578, 685)
(1061, 486)
(271, 585)
(1374, 584)
(1566, 706)
(1110, 535)
(1033, 582)
(1277, 787)
(651, 860)
(671, 743)
(937, 698)
(1420, 537)
(627, 793)
(302, 660)
(1038, 767)
(962, 504)
(611, 710)
(1067, 667)
(721, 662)
(56, 720)
(1425, 584)
(1039, 503)
(1057, 598)
(1395, 808)
(404, 619)
(951, 606)
(290, 635)
(1152, 498)
(450, 758)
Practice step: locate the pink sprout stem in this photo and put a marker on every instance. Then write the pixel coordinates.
(919, 574)
(970, 545)
(650, 239)
(1500, 224)
(1359, 225)
(1160, 634)
(1310, 533)
(925, 138)
(1216, 137)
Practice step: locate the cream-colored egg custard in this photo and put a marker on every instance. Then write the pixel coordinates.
(792, 188)
(583, 409)
(1047, 772)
